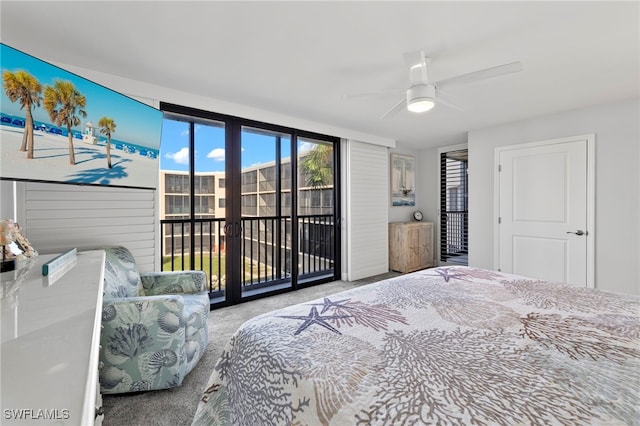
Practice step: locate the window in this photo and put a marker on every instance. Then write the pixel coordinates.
(249, 205)
(268, 179)
(249, 181)
(204, 184)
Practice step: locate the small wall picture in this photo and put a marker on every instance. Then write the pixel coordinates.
(403, 180)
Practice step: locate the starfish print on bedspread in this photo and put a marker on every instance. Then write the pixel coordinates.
(447, 274)
(328, 304)
(463, 274)
(315, 318)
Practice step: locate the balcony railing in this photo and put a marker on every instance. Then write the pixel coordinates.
(454, 247)
(265, 248)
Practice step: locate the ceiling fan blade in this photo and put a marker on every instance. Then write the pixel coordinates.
(484, 74)
(446, 99)
(439, 100)
(372, 94)
(394, 110)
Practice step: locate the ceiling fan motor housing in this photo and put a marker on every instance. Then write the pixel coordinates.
(421, 97)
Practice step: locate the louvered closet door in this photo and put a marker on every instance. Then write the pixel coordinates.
(367, 216)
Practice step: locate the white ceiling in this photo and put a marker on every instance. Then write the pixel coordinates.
(299, 58)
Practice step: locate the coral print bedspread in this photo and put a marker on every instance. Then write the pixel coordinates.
(450, 345)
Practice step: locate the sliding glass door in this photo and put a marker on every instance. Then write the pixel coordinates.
(316, 214)
(192, 199)
(256, 206)
(266, 211)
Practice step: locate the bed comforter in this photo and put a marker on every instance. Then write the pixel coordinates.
(449, 345)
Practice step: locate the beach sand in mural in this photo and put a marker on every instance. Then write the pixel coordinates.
(51, 162)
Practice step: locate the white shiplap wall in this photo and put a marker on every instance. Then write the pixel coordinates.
(58, 217)
(366, 216)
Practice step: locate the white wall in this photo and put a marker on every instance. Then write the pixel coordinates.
(428, 194)
(617, 182)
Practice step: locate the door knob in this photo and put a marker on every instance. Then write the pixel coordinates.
(578, 232)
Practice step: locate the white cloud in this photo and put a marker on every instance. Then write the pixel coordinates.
(305, 146)
(217, 154)
(180, 157)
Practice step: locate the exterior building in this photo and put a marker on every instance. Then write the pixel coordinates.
(175, 193)
(266, 231)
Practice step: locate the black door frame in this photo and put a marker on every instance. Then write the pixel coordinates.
(233, 199)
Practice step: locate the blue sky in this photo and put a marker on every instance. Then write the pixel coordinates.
(136, 122)
(210, 151)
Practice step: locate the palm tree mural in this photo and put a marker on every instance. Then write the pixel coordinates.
(317, 166)
(107, 127)
(25, 88)
(64, 103)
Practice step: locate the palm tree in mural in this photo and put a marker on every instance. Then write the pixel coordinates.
(65, 104)
(23, 87)
(317, 166)
(107, 127)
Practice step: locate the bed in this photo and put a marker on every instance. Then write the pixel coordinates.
(448, 345)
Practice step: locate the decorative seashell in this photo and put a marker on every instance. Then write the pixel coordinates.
(169, 322)
(122, 253)
(111, 376)
(108, 313)
(163, 358)
(191, 348)
(191, 330)
(192, 319)
(133, 277)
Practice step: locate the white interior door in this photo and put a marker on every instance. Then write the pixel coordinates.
(543, 210)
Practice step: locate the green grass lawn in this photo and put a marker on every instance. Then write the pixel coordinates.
(208, 264)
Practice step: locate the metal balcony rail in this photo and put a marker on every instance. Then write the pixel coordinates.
(456, 242)
(265, 248)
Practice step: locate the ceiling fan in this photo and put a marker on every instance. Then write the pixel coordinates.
(422, 94)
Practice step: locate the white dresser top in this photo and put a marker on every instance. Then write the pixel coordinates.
(50, 332)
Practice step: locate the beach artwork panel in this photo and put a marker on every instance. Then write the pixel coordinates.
(56, 126)
(403, 180)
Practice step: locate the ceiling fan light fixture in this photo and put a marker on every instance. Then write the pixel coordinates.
(420, 105)
(420, 98)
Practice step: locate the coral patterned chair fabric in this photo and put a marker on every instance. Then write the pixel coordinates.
(154, 325)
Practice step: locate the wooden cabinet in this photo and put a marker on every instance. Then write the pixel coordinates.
(410, 246)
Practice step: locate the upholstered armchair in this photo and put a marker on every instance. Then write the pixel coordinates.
(154, 325)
